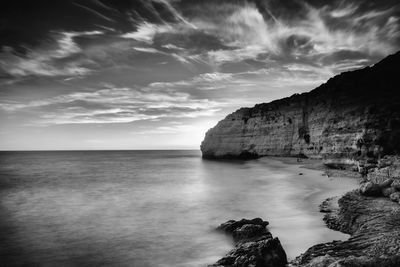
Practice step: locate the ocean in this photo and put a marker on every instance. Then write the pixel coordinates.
(150, 208)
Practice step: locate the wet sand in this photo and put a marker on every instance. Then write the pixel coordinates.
(313, 187)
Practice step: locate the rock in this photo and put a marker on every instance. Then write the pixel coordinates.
(249, 232)
(395, 197)
(370, 189)
(346, 118)
(388, 167)
(386, 192)
(386, 183)
(363, 171)
(396, 184)
(328, 205)
(374, 226)
(369, 166)
(254, 245)
(231, 225)
(321, 261)
(264, 253)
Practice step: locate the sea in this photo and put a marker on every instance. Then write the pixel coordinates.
(151, 208)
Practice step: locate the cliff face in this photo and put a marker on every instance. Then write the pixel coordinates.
(353, 115)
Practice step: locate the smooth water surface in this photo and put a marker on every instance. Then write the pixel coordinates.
(150, 208)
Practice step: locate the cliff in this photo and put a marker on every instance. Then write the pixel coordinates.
(353, 115)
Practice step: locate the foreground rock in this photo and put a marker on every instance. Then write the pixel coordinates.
(254, 245)
(354, 115)
(383, 180)
(374, 226)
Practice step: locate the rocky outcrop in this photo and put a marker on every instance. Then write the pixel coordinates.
(382, 179)
(374, 226)
(354, 115)
(254, 245)
(387, 167)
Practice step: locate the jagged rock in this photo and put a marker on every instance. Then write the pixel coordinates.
(396, 184)
(388, 167)
(328, 205)
(370, 189)
(249, 232)
(231, 225)
(395, 197)
(321, 261)
(386, 192)
(351, 261)
(386, 183)
(341, 121)
(254, 245)
(374, 226)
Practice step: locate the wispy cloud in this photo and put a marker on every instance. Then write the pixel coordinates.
(115, 105)
(146, 32)
(46, 61)
(318, 33)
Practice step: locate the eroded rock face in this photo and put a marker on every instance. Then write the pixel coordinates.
(254, 245)
(355, 114)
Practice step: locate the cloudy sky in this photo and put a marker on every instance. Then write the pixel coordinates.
(156, 74)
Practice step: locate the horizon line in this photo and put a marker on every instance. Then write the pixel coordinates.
(49, 150)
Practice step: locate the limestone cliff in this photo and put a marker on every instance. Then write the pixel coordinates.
(353, 115)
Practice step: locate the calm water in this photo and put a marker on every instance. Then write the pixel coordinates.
(149, 208)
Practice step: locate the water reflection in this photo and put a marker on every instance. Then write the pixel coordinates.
(159, 208)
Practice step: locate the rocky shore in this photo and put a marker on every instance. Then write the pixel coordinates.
(352, 123)
(374, 226)
(370, 214)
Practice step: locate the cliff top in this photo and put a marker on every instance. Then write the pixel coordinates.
(362, 83)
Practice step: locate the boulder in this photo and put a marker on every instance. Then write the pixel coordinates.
(395, 197)
(370, 189)
(254, 245)
(386, 192)
(396, 184)
(231, 225)
(250, 232)
(386, 183)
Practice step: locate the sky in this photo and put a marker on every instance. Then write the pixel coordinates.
(157, 74)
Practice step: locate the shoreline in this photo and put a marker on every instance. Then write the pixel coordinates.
(318, 165)
(316, 187)
(372, 223)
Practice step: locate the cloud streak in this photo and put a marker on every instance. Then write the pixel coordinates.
(174, 66)
(46, 61)
(115, 105)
